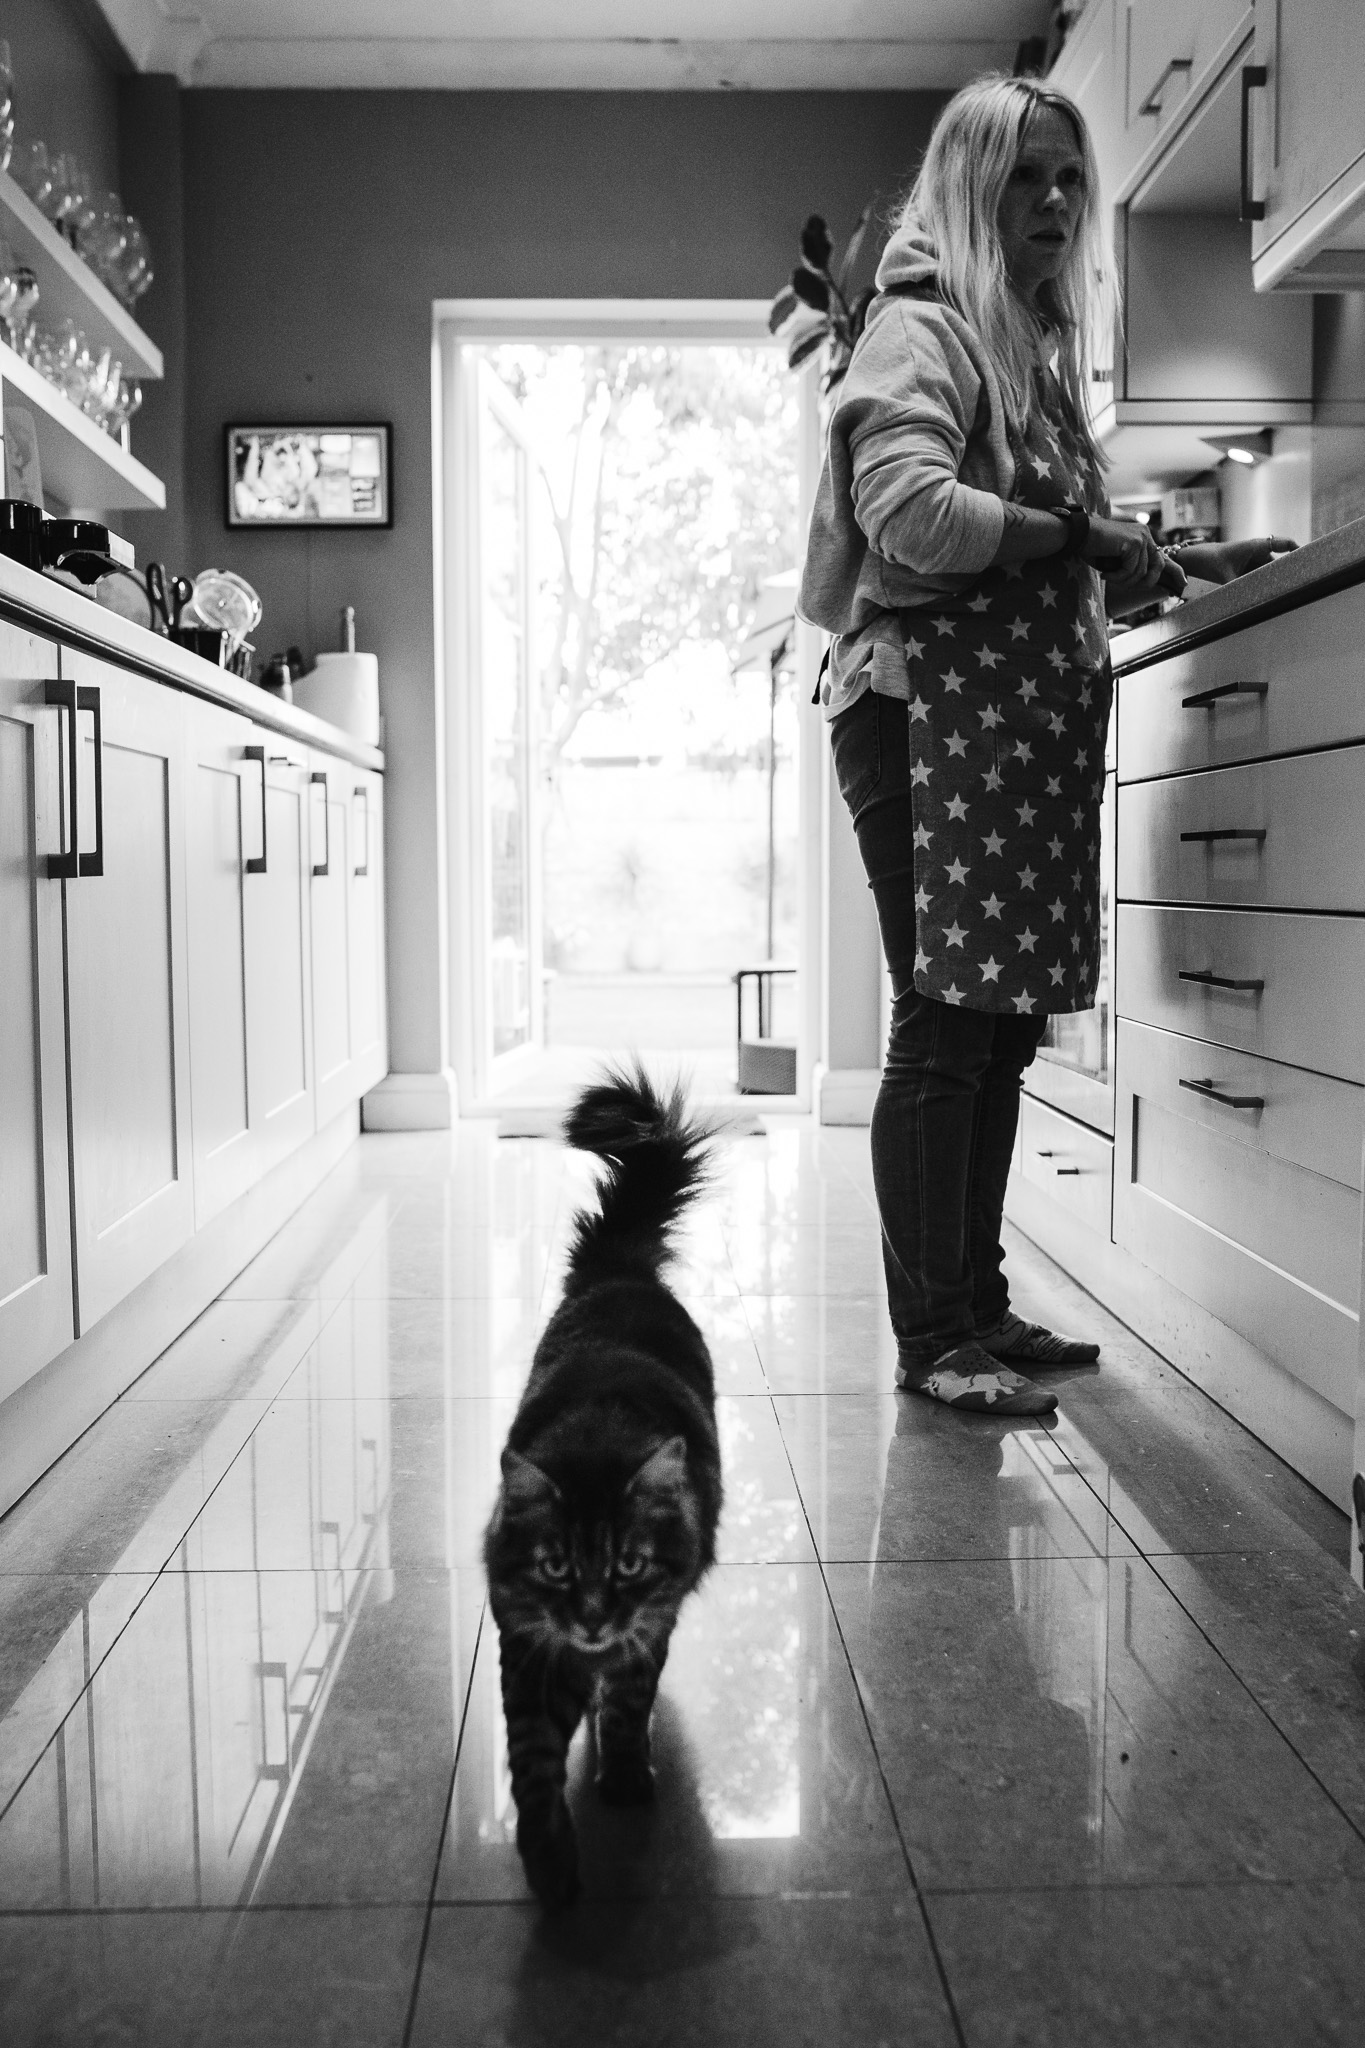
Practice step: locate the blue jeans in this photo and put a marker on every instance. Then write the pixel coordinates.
(948, 1106)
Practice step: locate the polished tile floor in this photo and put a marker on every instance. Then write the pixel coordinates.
(982, 1732)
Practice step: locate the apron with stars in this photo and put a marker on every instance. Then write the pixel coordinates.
(1010, 692)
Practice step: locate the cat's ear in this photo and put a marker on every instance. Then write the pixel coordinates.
(524, 1482)
(664, 1471)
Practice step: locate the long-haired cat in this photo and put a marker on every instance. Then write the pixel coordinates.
(611, 1483)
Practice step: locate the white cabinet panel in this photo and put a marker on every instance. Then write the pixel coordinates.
(1309, 130)
(223, 802)
(279, 1022)
(369, 1015)
(347, 823)
(36, 1310)
(132, 1190)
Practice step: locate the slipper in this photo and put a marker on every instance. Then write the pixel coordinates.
(970, 1379)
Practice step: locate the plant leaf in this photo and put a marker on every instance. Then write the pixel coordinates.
(858, 310)
(855, 242)
(812, 290)
(806, 346)
(817, 244)
(782, 308)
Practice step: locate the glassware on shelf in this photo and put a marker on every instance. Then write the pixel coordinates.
(23, 302)
(33, 172)
(6, 81)
(130, 271)
(70, 190)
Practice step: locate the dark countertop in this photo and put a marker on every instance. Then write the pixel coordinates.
(56, 610)
(1325, 565)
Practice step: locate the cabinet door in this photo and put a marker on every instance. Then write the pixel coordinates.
(279, 1007)
(223, 832)
(329, 817)
(127, 994)
(369, 1008)
(1310, 144)
(36, 1317)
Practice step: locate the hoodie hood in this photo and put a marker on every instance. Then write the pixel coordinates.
(910, 257)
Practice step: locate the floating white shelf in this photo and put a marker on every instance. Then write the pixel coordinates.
(69, 288)
(82, 465)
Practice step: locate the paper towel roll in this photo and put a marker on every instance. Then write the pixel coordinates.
(344, 689)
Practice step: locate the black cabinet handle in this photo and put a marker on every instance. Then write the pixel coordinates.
(325, 863)
(258, 866)
(64, 867)
(1060, 1170)
(1254, 76)
(88, 699)
(1043, 1155)
(1226, 832)
(1209, 980)
(1202, 698)
(1212, 1094)
(1177, 67)
(362, 791)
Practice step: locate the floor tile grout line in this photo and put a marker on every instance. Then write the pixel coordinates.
(906, 1857)
(410, 2018)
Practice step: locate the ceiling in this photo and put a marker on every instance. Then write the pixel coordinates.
(668, 45)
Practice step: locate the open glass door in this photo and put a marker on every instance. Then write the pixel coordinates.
(504, 704)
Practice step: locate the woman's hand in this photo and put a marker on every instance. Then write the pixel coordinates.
(1124, 553)
(1222, 561)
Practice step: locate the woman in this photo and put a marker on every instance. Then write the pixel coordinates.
(962, 555)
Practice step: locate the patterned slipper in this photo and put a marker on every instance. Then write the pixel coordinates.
(1034, 1345)
(970, 1379)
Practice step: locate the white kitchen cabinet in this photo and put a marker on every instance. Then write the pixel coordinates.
(1308, 158)
(346, 823)
(36, 1307)
(1173, 51)
(132, 1193)
(279, 996)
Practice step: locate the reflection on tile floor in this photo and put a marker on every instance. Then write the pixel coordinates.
(981, 1732)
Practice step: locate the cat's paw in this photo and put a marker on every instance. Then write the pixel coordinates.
(549, 1855)
(625, 1781)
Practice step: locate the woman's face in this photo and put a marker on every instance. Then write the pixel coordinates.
(1040, 207)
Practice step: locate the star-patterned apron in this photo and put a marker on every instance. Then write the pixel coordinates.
(1010, 692)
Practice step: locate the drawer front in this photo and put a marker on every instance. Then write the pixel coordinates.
(1290, 684)
(1068, 1162)
(1307, 1011)
(1304, 849)
(1253, 1212)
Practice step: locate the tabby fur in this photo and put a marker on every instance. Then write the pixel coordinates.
(611, 1483)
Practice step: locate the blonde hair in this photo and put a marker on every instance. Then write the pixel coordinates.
(955, 201)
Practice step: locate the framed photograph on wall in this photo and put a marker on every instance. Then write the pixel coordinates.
(310, 476)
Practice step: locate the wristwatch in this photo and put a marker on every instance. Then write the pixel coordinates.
(1077, 527)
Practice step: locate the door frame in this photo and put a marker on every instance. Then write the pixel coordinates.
(458, 324)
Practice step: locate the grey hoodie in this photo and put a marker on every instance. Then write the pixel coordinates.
(916, 466)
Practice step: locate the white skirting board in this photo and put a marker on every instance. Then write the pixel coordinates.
(1299, 1426)
(45, 1416)
(845, 1095)
(411, 1102)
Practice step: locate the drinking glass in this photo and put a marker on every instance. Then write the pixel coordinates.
(101, 233)
(6, 81)
(19, 318)
(33, 171)
(131, 270)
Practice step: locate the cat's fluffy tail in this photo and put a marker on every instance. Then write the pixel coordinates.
(657, 1162)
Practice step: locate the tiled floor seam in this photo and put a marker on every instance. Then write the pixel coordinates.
(410, 2017)
(929, 1933)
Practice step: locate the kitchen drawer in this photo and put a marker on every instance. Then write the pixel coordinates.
(1070, 1163)
(1306, 809)
(1293, 683)
(1253, 1212)
(1307, 1011)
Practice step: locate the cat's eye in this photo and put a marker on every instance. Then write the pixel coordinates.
(630, 1565)
(554, 1567)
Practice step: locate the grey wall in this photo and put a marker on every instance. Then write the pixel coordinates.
(66, 66)
(319, 227)
(153, 189)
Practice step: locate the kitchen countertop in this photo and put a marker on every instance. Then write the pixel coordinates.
(1325, 565)
(46, 606)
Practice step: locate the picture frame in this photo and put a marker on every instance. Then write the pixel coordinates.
(297, 476)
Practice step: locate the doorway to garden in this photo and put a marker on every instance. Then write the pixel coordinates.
(633, 787)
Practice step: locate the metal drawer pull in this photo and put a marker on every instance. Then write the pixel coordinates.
(64, 867)
(88, 699)
(321, 867)
(1254, 76)
(1202, 698)
(256, 866)
(1059, 1170)
(1208, 980)
(1178, 66)
(1212, 1094)
(65, 696)
(362, 791)
(1226, 832)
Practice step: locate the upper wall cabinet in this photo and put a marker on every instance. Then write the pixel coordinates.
(1308, 159)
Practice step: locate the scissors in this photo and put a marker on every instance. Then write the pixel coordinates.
(167, 597)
